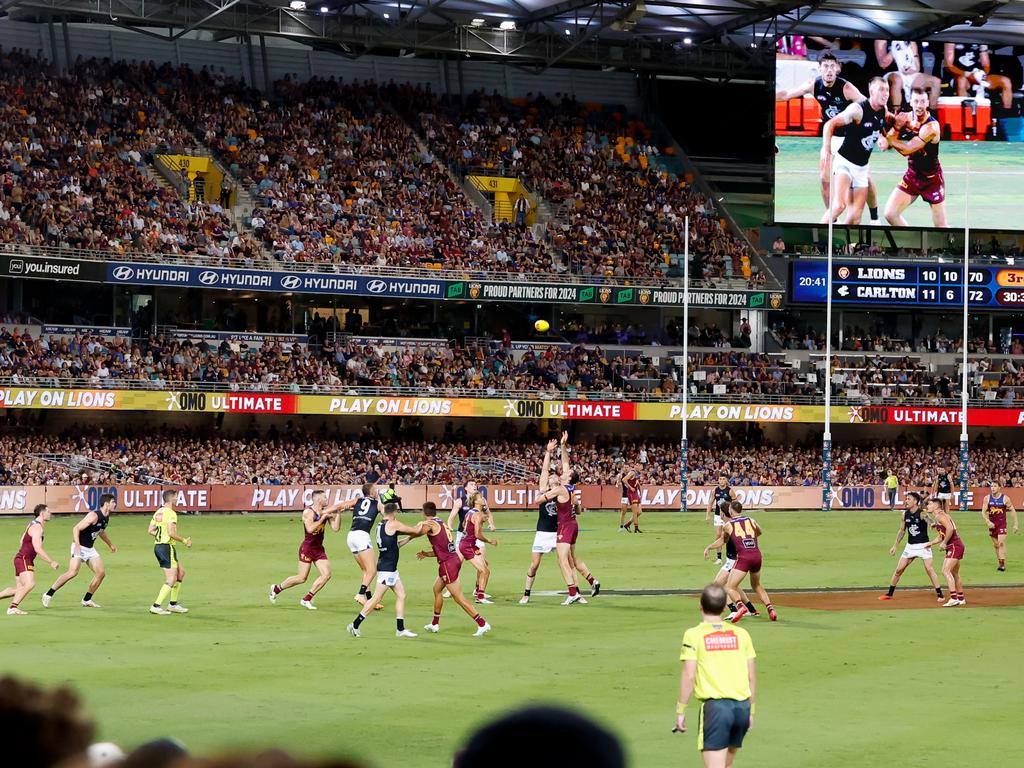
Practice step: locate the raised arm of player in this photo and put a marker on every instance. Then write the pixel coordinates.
(76, 532)
(785, 94)
(883, 54)
(566, 469)
(108, 542)
(335, 520)
(37, 544)
(453, 516)
(411, 531)
(545, 469)
(899, 536)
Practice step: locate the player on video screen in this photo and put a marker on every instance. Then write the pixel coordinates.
(916, 136)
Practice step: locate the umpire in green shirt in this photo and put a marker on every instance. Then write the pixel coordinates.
(718, 668)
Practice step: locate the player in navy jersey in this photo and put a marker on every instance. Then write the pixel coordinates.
(915, 527)
(833, 95)
(942, 488)
(917, 139)
(720, 497)
(993, 511)
(563, 493)
(388, 577)
(83, 550)
(865, 122)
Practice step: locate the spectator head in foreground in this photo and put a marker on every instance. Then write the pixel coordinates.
(45, 726)
(541, 737)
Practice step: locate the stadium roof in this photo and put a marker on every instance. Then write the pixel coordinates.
(714, 37)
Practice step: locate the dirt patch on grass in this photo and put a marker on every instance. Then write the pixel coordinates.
(905, 598)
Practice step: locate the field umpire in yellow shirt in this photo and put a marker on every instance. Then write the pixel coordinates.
(718, 668)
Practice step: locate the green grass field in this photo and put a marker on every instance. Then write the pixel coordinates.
(871, 688)
(996, 182)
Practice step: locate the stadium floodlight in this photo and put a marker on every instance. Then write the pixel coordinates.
(507, 25)
(387, 15)
(478, 22)
(324, 9)
(297, 5)
(687, 40)
(568, 32)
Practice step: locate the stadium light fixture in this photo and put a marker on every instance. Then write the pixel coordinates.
(568, 32)
(687, 40)
(478, 22)
(297, 5)
(507, 26)
(324, 9)
(387, 15)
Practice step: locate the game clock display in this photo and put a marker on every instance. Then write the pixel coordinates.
(938, 285)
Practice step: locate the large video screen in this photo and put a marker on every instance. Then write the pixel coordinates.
(912, 134)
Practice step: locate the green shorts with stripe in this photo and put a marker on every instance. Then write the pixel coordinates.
(722, 724)
(165, 555)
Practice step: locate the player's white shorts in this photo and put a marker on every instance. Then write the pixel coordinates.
(85, 554)
(388, 578)
(858, 173)
(545, 541)
(358, 541)
(837, 142)
(728, 565)
(459, 536)
(945, 496)
(910, 551)
(624, 501)
(719, 522)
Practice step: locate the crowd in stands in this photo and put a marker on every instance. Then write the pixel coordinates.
(487, 369)
(334, 366)
(624, 211)
(338, 174)
(339, 178)
(73, 150)
(293, 456)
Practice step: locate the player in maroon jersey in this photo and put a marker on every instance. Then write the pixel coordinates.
(566, 507)
(949, 541)
(24, 561)
(469, 550)
(744, 532)
(993, 512)
(918, 140)
(315, 518)
(631, 482)
(442, 544)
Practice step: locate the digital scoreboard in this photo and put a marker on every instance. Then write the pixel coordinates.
(901, 285)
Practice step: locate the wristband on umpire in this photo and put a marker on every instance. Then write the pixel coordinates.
(680, 708)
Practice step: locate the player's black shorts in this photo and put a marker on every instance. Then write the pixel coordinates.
(165, 555)
(723, 724)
